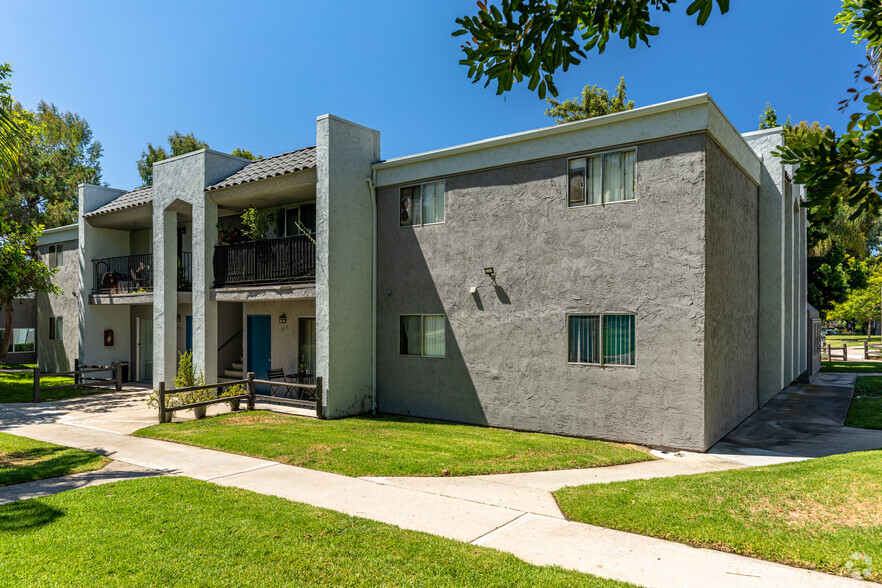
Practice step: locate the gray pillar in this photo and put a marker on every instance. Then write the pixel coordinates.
(204, 309)
(165, 295)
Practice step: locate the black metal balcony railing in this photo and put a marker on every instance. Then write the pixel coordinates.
(134, 273)
(285, 260)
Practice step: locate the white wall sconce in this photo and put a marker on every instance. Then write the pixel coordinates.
(490, 272)
(283, 319)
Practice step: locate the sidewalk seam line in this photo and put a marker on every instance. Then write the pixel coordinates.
(245, 471)
(491, 531)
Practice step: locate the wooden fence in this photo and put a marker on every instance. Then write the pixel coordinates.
(250, 396)
(79, 380)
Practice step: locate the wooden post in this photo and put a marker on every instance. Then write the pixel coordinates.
(251, 392)
(117, 368)
(76, 370)
(37, 384)
(161, 393)
(319, 409)
(866, 349)
(844, 352)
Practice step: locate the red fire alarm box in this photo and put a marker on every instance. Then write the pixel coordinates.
(108, 338)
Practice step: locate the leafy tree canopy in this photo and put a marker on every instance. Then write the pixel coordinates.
(11, 134)
(178, 145)
(845, 169)
(245, 154)
(862, 305)
(594, 101)
(510, 40)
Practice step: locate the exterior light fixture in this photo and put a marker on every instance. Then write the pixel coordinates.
(283, 319)
(179, 318)
(489, 271)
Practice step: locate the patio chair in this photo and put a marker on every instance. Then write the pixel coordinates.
(279, 375)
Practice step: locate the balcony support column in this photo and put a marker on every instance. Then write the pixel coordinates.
(204, 308)
(165, 295)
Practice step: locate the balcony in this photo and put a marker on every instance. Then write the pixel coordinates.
(134, 274)
(285, 260)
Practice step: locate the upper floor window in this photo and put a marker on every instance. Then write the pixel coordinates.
(602, 179)
(422, 204)
(56, 255)
(601, 339)
(299, 220)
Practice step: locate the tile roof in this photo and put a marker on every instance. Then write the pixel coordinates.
(268, 167)
(131, 199)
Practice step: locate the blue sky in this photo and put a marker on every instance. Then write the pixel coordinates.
(256, 74)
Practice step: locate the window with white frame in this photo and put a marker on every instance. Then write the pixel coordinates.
(56, 328)
(56, 256)
(602, 179)
(421, 335)
(422, 204)
(601, 339)
(22, 340)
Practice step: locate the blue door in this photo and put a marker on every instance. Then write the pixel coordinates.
(259, 348)
(189, 333)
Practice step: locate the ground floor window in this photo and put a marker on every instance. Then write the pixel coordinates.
(422, 335)
(22, 340)
(56, 328)
(601, 339)
(306, 330)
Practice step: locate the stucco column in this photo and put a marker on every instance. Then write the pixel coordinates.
(204, 309)
(165, 295)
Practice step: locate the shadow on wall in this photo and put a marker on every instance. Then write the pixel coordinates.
(431, 387)
(53, 357)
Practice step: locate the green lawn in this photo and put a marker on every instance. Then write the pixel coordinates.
(19, 387)
(865, 411)
(858, 367)
(17, 366)
(386, 445)
(857, 340)
(26, 460)
(815, 513)
(183, 532)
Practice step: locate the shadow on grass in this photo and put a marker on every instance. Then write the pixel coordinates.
(50, 463)
(26, 515)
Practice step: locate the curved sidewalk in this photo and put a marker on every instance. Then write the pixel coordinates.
(493, 511)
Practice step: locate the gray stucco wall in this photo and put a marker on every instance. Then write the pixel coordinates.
(506, 362)
(732, 299)
(24, 316)
(59, 355)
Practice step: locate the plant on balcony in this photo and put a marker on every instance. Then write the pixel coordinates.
(184, 284)
(229, 235)
(260, 224)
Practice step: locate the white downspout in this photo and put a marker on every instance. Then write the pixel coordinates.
(371, 182)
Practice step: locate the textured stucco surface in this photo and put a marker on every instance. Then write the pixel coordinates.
(506, 362)
(59, 355)
(344, 233)
(732, 296)
(24, 316)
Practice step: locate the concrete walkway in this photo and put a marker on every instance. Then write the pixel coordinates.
(512, 512)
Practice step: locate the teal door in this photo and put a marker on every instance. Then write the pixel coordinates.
(258, 348)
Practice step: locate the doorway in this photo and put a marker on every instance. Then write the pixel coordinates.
(259, 348)
(144, 359)
(306, 329)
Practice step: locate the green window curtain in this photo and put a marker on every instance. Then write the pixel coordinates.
(618, 339)
(584, 339)
(59, 328)
(433, 202)
(410, 335)
(433, 336)
(612, 177)
(595, 188)
(629, 174)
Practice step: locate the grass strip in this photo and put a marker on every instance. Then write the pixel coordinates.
(857, 367)
(178, 531)
(19, 387)
(865, 411)
(25, 460)
(386, 445)
(814, 514)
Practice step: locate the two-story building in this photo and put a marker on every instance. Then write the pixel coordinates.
(635, 277)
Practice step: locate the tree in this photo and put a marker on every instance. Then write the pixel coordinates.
(11, 134)
(178, 145)
(769, 118)
(57, 153)
(846, 168)
(595, 101)
(245, 154)
(534, 38)
(862, 305)
(21, 272)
